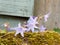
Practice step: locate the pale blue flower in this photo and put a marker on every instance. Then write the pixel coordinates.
(19, 29)
(32, 19)
(42, 28)
(31, 23)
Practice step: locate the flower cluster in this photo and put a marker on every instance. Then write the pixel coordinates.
(30, 25)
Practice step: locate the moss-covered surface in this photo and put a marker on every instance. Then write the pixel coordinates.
(44, 38)
(9, 39)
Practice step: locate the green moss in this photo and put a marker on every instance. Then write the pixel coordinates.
(9, 39)
(44, 38)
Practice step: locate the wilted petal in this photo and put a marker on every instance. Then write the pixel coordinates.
(46, 17)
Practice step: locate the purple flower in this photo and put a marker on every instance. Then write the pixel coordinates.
(32, 20)
(34, 17)
(19, 29)
(42, 28)
(31, 23)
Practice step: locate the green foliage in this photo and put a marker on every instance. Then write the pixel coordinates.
(40, 38)
(57, 29)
